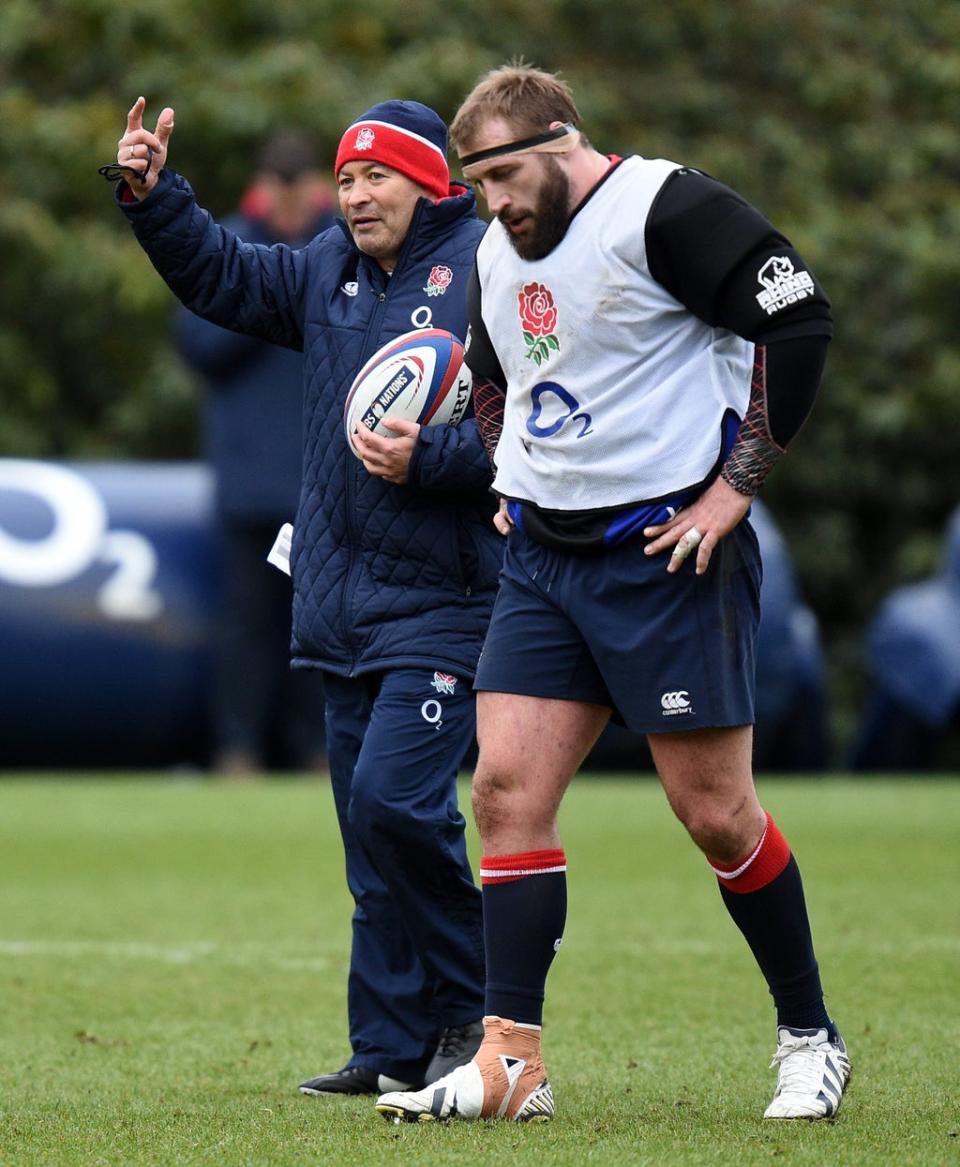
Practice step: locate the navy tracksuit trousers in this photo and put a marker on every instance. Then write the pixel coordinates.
(395, 741)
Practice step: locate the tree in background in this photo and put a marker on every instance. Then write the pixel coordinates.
(840, 124)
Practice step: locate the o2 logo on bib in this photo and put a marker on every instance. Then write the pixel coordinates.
(553, 407)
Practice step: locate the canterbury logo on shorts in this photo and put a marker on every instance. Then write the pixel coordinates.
(674, 703)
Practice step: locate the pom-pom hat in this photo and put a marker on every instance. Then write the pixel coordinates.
(403, 135)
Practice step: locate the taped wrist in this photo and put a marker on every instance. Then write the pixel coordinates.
(755, 451)
(488, 402)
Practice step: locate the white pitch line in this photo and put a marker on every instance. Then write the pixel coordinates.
(693, 947)
(190, 952)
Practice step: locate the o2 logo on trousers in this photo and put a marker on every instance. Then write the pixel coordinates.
(79, 538)
(432, 712)
(551, 400)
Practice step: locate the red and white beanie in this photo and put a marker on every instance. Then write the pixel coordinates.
(405, 136)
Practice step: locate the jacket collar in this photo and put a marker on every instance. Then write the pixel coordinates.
(430, 222)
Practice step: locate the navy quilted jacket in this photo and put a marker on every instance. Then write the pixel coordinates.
(253, 401)
(384, 575)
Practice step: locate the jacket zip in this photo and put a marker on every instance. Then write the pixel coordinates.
(371, 340)
(352, 474)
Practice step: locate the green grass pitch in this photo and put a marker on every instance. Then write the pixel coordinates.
(173, 961)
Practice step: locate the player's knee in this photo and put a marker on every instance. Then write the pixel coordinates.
(717, 831)
(492, 794)
(483, 804)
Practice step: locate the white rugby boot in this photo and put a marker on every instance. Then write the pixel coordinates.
(506, 1079)
(813, 1073)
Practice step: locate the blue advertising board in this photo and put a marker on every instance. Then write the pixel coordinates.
(108, 587)
(108, 602)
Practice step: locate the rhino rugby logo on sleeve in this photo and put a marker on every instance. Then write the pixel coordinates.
(782, 284)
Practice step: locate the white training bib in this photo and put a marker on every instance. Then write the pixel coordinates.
(615, 390)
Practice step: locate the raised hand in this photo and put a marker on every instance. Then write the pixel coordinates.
(143, 152)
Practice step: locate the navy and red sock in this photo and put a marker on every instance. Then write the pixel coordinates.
(524, 912)
(764, 895)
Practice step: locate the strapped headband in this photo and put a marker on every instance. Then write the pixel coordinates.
(550, 142)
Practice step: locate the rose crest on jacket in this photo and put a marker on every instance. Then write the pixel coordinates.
(439, 279)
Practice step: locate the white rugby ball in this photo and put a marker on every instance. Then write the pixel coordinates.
(419, 376)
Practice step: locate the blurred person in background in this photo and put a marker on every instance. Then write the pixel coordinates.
(394, 555)
(265, 714)
(792, 732)
(911, 717)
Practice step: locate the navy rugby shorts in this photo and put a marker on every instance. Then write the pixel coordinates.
(664, 652)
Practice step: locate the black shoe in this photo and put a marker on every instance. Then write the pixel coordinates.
(352, 1080)
(457, 1046)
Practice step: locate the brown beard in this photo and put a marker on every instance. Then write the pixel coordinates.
(551, 215)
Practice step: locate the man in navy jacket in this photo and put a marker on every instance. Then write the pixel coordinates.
(394, 558)
(264, 713)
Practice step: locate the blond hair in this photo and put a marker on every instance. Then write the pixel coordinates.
(527, 98)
